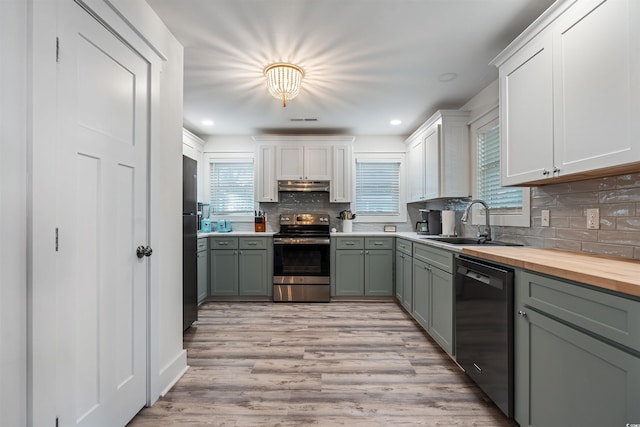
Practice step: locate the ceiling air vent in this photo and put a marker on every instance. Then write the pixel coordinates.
(304, 119)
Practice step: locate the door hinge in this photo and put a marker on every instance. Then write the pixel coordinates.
(57, 49)
(56, 239)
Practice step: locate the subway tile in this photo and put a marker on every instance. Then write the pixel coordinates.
(542, 202)
(570, 245)
(582, 235)
(567, 211)
(558, 221)
(629, 224)
(593, 185)
(608, 249)
(617, 209)
(573, 199)
(607, 223)
(621, 195)
(631, 238)
(556, 188)
(628, 180)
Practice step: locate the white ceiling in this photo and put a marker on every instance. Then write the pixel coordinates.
(365, 61)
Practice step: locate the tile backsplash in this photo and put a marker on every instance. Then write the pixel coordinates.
(617, 198)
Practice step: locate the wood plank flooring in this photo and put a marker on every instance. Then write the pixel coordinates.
(339, 364)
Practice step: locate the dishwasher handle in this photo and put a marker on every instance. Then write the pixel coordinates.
(478, 277)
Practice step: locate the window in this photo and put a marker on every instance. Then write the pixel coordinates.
(509, 205)
(378, 183)
(231, 186)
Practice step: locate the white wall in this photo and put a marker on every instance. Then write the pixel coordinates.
(13, 213)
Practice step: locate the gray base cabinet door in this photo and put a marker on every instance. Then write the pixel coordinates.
(223, 272)
(252, 276)
(421, 293)
(568, 378)
(404, 284)
(203, 276)
(350, 272)
(378, 277)
(441, 308)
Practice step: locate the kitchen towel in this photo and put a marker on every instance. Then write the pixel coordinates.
(449, 223)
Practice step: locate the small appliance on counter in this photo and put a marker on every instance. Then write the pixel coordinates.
(206, 226)
(430, 222)
(223, 226)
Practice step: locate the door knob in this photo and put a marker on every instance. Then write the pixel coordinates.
(142, 251)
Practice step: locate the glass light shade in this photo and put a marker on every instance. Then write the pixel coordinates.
(283, 81)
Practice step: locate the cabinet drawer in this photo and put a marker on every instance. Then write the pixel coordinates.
(378, 243)
(350, 243)
(203, 244)
(223, 243)
(613, 317)
(404, 246)
(440, 258)
(253, 243)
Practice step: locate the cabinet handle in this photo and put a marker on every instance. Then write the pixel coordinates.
(223, 243)
(378, 243)
(252, 243)
(522, 314)
(348, 243)
(556, 170)
(545, 172)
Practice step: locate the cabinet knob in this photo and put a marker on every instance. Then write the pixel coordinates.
(142, 251)
(556, 170)
(545, 172)
(366, 252)
(522, 314)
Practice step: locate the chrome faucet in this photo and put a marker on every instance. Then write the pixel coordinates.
(487, 234)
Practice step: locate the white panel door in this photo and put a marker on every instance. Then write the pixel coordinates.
(102, 214)
(432, 165)
(289, 162)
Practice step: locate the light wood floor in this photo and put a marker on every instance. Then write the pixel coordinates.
(338, 364)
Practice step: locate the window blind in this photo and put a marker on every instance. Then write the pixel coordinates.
(488, 172)
(231, 185)
(377, 188)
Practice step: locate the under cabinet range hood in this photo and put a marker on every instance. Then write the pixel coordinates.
(303, 186)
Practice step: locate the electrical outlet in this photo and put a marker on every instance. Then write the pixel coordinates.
(593, 219)
(544, 218)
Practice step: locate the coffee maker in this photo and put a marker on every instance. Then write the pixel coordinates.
(430, 222)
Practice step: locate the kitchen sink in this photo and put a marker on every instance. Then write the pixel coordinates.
(469, 241)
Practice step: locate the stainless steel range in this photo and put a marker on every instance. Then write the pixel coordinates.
(301, 259)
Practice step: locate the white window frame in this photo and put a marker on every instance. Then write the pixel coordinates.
(229, 158)
(521, 219)
(381, 158)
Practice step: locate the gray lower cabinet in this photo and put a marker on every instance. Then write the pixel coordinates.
(203, 269)
(433, 293)
(363, 266)
(577, 355)
(240, 266)
(404, 273)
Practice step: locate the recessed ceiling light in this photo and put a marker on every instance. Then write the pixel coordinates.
(207, 122)
(395, 122)
(447, 77)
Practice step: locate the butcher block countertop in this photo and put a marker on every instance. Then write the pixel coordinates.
(611, 273)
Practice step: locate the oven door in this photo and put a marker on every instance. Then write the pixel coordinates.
(301, 261)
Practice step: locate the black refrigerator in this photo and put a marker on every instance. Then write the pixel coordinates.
(189, 242)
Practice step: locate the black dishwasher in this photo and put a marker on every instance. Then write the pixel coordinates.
(484, 327)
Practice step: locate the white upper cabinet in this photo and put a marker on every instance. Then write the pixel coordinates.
(341, 174)
(438, 157)
(303, 162)
(570, 94)
(317, 158)
(266, 189)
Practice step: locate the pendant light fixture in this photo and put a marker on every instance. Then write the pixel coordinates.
(283, 81)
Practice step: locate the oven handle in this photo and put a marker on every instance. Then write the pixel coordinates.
(298, 241)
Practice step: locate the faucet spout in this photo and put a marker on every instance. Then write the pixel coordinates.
(465, 217)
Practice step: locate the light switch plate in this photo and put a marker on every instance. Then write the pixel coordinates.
(593, 219)
(544, 218)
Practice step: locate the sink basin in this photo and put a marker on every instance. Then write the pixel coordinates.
(469, 241)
